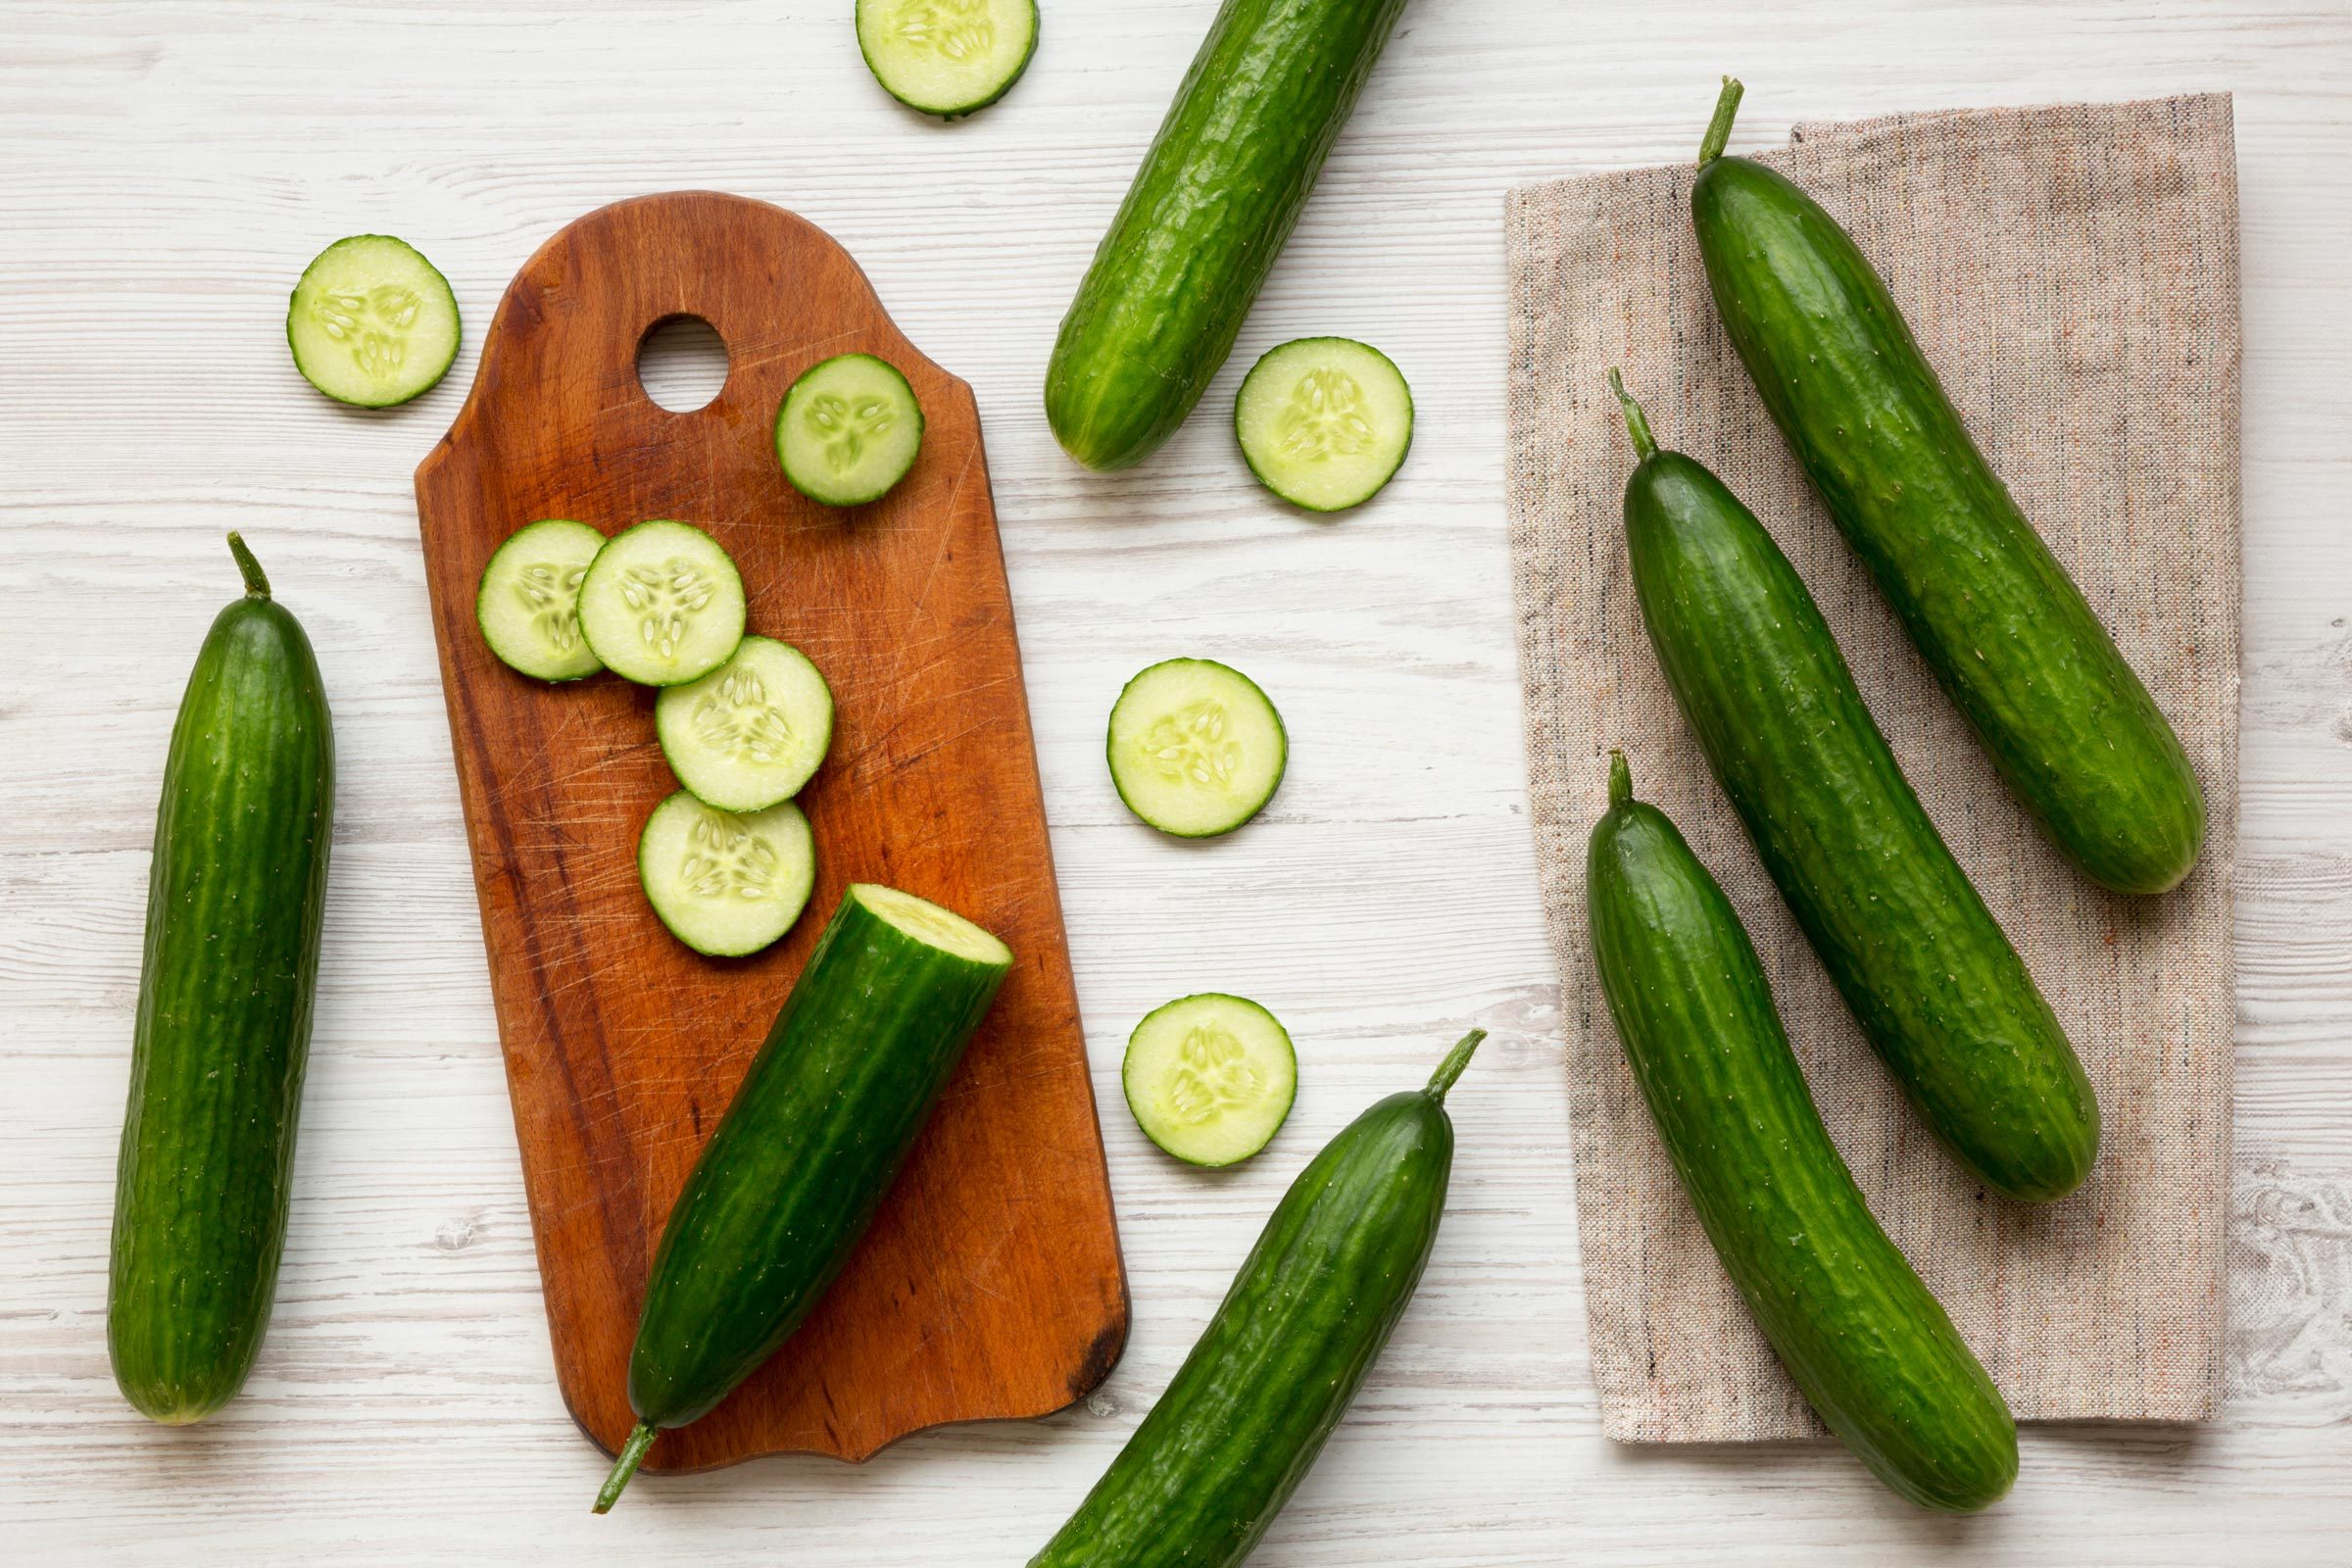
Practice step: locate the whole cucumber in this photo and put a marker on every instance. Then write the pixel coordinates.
(1865, 1342)
(2007, 632)
(236, 900)
(1209, 209)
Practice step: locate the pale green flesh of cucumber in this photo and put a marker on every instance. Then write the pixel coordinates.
(848, 430)
(947, 57)
(932, 924)
(726, 883)
(373, 323)
(663, 603)
(1195, 748)
(1211, 1078)
(528, 603)
(1324, 422)
(750, 733)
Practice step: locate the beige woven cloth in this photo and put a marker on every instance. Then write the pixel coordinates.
(2072, 273)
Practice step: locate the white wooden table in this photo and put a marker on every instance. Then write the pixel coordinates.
(165, 170)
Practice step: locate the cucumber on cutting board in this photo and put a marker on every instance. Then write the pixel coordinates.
(1929, 974)
(726, 883)
(373, 323)
(806, 1150)
(1270, 1378)
(236, 900)
(1870, 1348)
(1211, 1078)
(1195, 748)
(848, 430)
(1324, 422)
(748, 735)
(2009, 635)
(528, 603)
(661, 604)
(1209, 211)
(949, 58)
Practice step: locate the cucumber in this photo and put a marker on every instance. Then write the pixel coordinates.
(726, 883)
(236, 898)
(528, 603)
(1324, 422)
(949, 58)
(1195, 748)
(749, 734)
(1211, 1078)
(373, 323)
(802, 1159)
(1209, 209)
(2008, 634)
(1865, 1342)
(848, 429)
(1938, 988)
(661, 604)
(1270, 1378)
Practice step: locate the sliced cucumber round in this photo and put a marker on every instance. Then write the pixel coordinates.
(947, 57)
(1324, 422)
(848, 430)
(1195, 748)
(373, 323)
(1210, 1077)
(726, 883)
(750, 732)
(663, 603)
(528, 603)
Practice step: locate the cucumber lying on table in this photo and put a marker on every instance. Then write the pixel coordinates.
(949, 58)
(1324, 422)
(1195, 748)
(373, 323)
(1211, 1078)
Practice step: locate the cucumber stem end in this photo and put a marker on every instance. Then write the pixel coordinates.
(1636, 423)
(1455, 1061)
(256, 586)
(1621, 779)
(632, 1452)
(1719, 128)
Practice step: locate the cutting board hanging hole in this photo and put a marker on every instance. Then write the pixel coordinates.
(682, 363)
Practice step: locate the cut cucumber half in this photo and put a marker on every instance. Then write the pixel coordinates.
(1324, 422)
(1210, 1077)
(947, 57)
(750, 732)
(848, 430)
(373, 323)
(663, 603)
(528, 603)
(726, 883)
(1195, 748)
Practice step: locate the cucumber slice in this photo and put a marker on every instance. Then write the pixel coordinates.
(750, 732)
(528, 603)
(726, 883)
(1210, 1077)
(1195, 748)
(848, 430)
(947, 57)
(663, 603)
(1324, 422)
(373, 323)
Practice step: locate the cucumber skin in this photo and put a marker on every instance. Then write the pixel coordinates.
(1864, 1340)
(1309, 1313)
(1216, 196)
(1929, 974)
(2007, 632)
(809, 1146)
(235, 906)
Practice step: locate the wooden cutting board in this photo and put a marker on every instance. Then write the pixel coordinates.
(990, 1284)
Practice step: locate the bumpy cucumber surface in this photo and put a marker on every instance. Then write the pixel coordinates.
(811, 1142)
(1215, 198)
(1929, 974)
(849, 429)
(947, 57)
(748, 735)
(373, 323)
(1250, 1408)
(1195, 748)
(528, 601)
(2007, 632)
(1324, 422)
(1863, 1339)
(236, 901)
(1210, 1077)
(661, 604)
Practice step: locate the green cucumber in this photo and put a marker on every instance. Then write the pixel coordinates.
(1195, 748)
(1209, 209)
(748, 735)
(528, 601)
(848, 429)
(726, 883)
(811, 1142)
(1211, 1078)
(373, 323)
(1270, 1378)
(1930, 976)
(1324, 422)
(949, 58)
(2008, 634)
(1865, 1342)
(237, 898)
(661, 604)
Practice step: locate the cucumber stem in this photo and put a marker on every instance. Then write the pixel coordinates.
(1621, 779)
(1719, 128)
(256, 586)
(641, 1438)
(1636, 423)
(1455, 1061)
